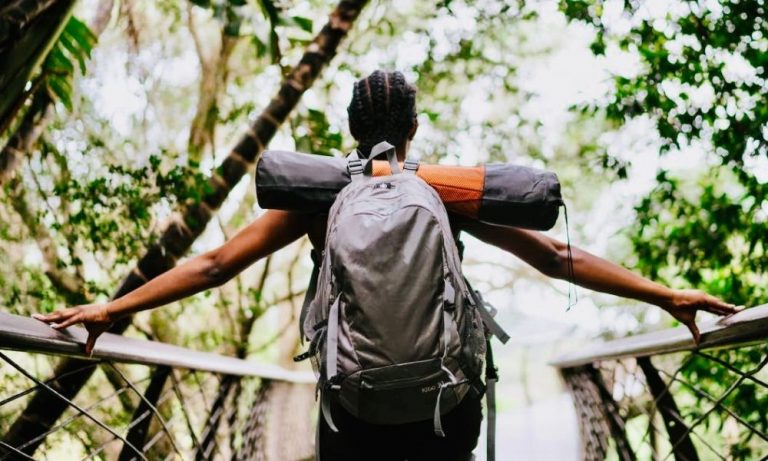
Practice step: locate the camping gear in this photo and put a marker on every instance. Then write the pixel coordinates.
(506, 194)
(395, 333)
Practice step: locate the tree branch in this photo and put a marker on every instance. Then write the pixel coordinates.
(67, 285)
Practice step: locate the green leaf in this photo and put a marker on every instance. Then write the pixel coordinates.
(271, 12)
(261, 48)
(69, 44)
(83, 35)
(57, 63)
(233, 23)
(61, 89)
(305, 24)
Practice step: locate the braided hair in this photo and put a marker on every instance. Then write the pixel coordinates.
(383, 108)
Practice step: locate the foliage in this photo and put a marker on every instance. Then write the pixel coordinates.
(240, 19)
(73, 48)
(701, 79)
(314, 134)
(98, 206)
(710, 241)
(694, 48)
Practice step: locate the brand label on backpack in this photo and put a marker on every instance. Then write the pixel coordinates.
(431, 388)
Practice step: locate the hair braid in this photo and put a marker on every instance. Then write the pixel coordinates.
(383, 108)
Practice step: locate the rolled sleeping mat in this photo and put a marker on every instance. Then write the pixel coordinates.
(505, 194)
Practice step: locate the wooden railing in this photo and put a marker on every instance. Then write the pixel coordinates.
(152, 401)
(659, 396)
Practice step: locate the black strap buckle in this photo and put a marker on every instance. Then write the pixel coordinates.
(303, 356)
(334, 383)
(355, 167)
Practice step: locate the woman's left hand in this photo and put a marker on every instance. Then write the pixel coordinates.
(685, 303)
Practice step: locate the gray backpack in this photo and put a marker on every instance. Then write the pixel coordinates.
(396, 334)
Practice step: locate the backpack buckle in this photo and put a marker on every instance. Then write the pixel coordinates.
(333, 383)
(303, 356)
(355, 167)
(411, 165)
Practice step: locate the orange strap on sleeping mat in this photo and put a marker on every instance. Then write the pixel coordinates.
(459, 187)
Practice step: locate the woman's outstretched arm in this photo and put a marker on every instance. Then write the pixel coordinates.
(550, 257)
(267, 234)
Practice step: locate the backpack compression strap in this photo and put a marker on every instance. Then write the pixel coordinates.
(311, 290)
(491, 376)
(449, 293)
(411, 166)
(331, 366)
(364, 166)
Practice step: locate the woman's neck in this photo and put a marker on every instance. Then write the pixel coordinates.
(402, 150)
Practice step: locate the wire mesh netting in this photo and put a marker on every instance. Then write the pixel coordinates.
(701, 405)
(139, 412)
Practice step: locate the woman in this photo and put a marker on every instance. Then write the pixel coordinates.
(383, 108)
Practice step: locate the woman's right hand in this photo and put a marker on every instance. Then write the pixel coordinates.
(95, 318)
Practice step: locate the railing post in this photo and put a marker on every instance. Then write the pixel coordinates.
(598, 414)
(253, 432)
(612, 416)
(594, 441)
(208, 443)
(679, 435)
(137, 435)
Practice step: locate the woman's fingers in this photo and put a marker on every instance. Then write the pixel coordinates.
(694, 329)
(717, 306)
(715, 309)
(62, 318)
(73, 319)
(53, 316)
(91, 342)
(713, 305)
(55, 319)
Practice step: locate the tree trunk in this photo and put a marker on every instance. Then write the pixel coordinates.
(16, 16)
(32, 29)
(36, 118)
(214, 73)
(21, 142)
(26, 135)
(43, 409)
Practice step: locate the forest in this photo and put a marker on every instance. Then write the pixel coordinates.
(130, 129)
